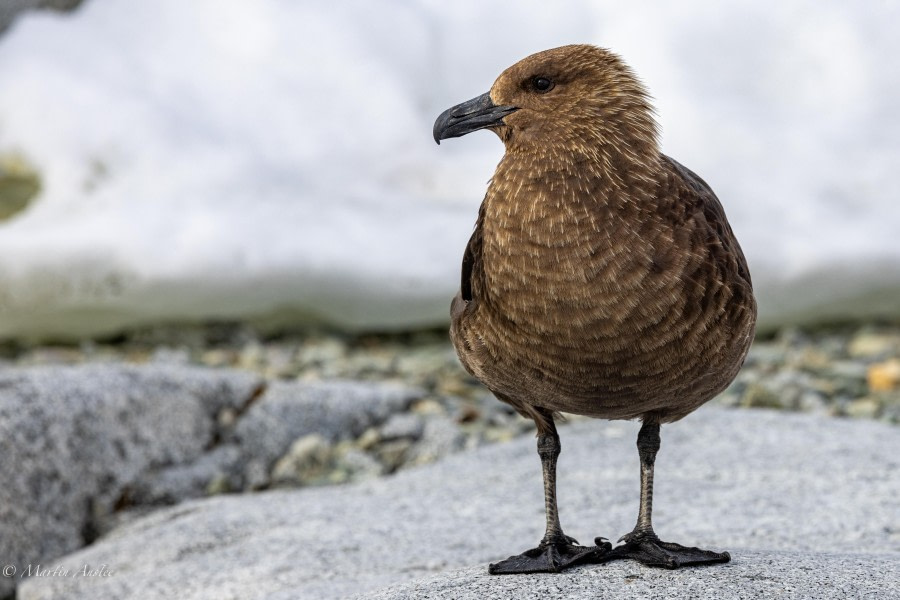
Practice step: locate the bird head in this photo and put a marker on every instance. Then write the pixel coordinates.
(567, 96)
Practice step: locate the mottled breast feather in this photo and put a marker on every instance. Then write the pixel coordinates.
(633, 306)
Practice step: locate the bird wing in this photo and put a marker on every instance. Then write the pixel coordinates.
(471, 263)
(708, 203)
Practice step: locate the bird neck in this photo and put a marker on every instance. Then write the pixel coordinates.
(552, 222)
(597, 175)
(539, 203)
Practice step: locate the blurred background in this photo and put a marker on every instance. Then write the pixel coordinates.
(255, 184)
(272, 161)
(254, 187)
(194, 181)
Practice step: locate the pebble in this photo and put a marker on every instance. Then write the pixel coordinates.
(358, 465)
(863, 408)
(885, 376)
(868, 344)
(368, 439)
(428, 406)
(759, 396)
(307, 460)
(219, 484)
(409, 426)
(392, 453)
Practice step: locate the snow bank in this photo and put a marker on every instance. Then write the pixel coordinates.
(231, 159)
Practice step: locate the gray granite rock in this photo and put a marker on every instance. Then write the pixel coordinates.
(440, 437)
(334, 410)
(407, 425)
(802, 503)
(192, 479)
(73, 439)
(783, 575)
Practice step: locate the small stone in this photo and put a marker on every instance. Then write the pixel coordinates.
(317, 351)
(368, 439)
(306, 461)
(359, 465)
(309, 375)
(848, 369)
(371, 363)
(392, 454)
(220, 484)
(403, 425)
(471, 440)
(863, 408)
(280, 362)
(867, 344)
(885, 376)
(758, 396)
(251, 356)
(814, 359)
(422, 360)
(217, 358)
(427, 406)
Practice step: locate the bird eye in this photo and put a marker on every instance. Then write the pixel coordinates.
(542, 84)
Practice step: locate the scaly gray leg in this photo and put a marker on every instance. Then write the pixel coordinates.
(556, 550)
(642, 544)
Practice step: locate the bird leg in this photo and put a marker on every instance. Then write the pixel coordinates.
(642, 544)
(556, 550)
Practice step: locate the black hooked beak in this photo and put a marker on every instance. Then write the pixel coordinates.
(477, 113)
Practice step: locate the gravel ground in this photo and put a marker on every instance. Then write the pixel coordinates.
(847, 371)
(851, 370)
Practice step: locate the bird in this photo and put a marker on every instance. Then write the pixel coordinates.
(602, 278)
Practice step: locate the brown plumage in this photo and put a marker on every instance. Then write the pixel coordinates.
(602, 277)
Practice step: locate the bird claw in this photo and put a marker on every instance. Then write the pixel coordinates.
(549, 557)
(638, 536)
(568, 540)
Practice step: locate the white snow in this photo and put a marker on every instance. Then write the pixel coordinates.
(222, 158)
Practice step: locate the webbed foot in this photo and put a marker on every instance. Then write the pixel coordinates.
(551, 556)
(648, 549)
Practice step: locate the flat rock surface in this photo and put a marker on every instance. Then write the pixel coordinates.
(80, 443)
(806, 505)
(750, 575)
(72, 439)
